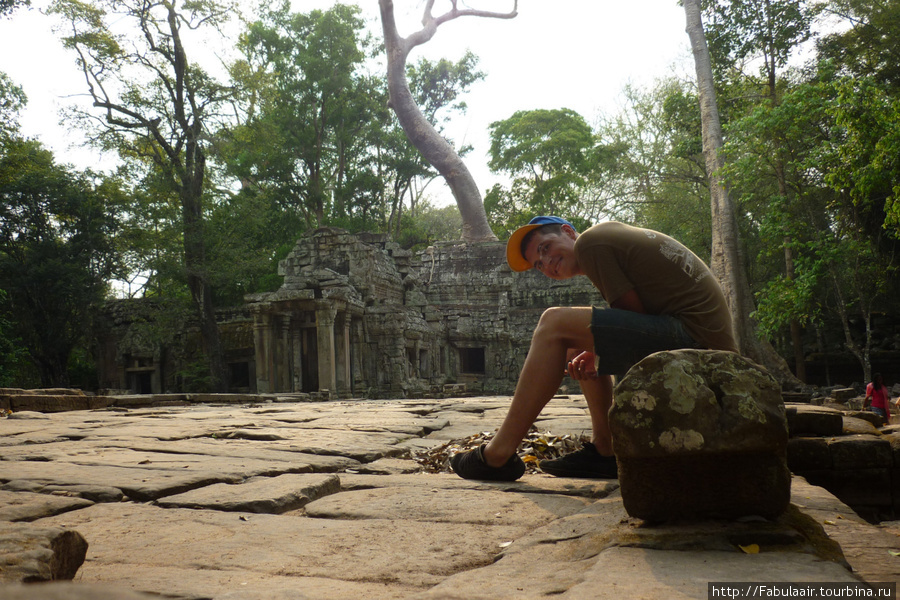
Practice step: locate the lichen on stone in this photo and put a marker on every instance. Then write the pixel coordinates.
(683, 386)
(676, 440)
(749, 409)
(642, 400)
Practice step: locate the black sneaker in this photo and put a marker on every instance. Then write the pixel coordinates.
(586, 463)
(471, 465)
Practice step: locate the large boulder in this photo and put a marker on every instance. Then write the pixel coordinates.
(700, 434)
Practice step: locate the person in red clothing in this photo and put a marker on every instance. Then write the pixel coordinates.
(878, 399)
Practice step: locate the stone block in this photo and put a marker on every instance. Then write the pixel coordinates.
(893, 439)
(866, 415)
(29, 553)
(454, 389)
(856, 426)
(814, 420)
(700, 434)
(861, 488)
(54, 403)
(808, 453)
(799, 397)
(842, 395)
(895, 489)
(852, 452)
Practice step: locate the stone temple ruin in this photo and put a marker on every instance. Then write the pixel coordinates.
(357, 316)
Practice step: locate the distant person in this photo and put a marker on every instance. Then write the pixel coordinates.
(661, 297)
(878, 399)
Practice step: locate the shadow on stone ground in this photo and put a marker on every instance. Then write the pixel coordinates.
(324, 501)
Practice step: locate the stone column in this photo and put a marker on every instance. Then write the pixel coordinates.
(325, 316)
(342, 352)
(285, 354)
(261, 341)
(297, 356)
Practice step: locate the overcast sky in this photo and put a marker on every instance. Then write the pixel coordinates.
(576, 54)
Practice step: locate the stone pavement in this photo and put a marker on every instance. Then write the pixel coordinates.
(290, 500)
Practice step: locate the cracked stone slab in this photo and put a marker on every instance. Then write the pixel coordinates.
(269, 452)
(270, 495)
(128, 539)
(868, 549)
(136, 483)
(189, 584)
(70, 591)
(389, 466)
(25, 506)
(242, 467)
(460, 506)
(537, 483)
(379, 422)
(94, 493)
(631, 573)
(150, 475)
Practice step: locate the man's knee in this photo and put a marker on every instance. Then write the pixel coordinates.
(570, 325)
(554, 315)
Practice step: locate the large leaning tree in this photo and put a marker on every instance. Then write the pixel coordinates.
(726, 259)
(155, 108)
(420, 131)
(769, 31)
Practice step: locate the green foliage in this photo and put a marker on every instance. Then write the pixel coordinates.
(318, 142)
(767, 31)
(550, 155)
(438, 86)
(870, 47)
(246, 238)
(8, 6)
(13, 356)
(864, 161)
(56, 253)
(312, 112)
(12, 101)
(194, 377)
(430, 225)
(656, 176)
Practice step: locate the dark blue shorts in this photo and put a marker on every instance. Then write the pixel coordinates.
(622, 338)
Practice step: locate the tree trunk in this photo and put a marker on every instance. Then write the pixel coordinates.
(195, 262)
(192, 176)
(421, 133)
(862, 353)
(781, 177)
(726, 261)
(796, 330)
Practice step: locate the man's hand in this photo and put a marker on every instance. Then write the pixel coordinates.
(583, 367)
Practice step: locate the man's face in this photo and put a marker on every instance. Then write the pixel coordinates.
(554, 254)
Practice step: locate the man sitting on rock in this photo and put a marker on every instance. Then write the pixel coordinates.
(661, 297)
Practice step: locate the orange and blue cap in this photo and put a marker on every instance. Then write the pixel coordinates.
(514, 256)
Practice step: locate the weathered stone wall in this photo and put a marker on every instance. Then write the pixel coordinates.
(474, 301)
(415, 322)
(145, 345)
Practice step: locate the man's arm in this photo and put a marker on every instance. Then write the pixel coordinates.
(629, 301)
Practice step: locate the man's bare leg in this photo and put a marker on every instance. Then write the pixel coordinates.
(598, 393)
(558, 330)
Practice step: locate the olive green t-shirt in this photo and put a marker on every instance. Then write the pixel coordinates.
(668, 278)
